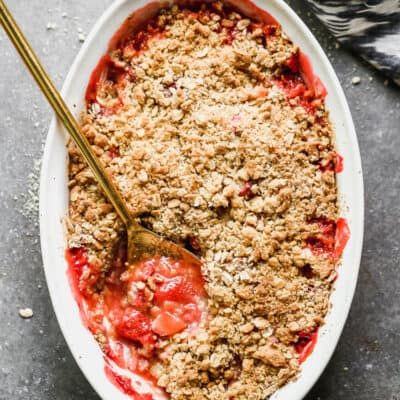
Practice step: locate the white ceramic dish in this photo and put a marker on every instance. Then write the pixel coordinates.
(54, 202)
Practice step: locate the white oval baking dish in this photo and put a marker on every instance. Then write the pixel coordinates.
(54, 201)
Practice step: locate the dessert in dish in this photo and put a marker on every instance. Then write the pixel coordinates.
(214, 127)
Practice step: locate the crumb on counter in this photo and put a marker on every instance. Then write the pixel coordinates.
(25, 313)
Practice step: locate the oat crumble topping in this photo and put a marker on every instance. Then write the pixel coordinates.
(210, 150)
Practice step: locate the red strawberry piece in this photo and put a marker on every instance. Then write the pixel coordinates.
(320, 244)
(85, 275)
(178, 289)
(293, 63)
(332, 239)
(77, 259)
(342, 235)
(338, 163)
(324, 242)
(191, 313)
(306, 343)
(167, 324)
(154, 311)
(193, 244)
(312, 81)
(296, 91)
(114, 152)
(246, 190)
(135, 325)
(230, 35)
(334, 164)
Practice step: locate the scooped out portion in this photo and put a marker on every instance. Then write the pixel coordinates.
(133, 309)
(214, 127)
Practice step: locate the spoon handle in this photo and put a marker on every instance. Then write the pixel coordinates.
(60, 108)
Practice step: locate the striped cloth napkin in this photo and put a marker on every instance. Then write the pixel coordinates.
(370, 28)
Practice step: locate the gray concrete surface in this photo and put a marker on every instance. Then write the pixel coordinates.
(35, 362)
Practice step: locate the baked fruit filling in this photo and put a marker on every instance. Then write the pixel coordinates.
(214, 128)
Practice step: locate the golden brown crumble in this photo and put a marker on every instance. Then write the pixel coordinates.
(210, 148)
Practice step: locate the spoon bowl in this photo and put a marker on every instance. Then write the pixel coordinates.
(144, 244)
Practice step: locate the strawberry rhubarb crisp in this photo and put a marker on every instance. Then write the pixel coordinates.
(215, 130)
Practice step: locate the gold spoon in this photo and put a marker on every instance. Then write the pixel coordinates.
(142, 243)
